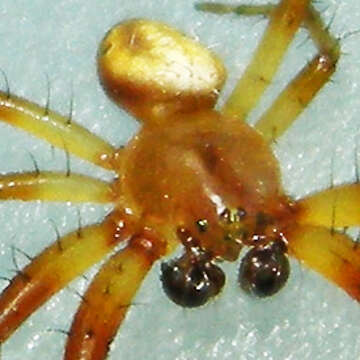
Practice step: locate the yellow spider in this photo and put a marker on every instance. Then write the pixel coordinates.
(191, 176)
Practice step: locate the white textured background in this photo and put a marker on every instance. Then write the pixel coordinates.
(310, 319)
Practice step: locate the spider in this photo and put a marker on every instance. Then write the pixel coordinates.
(201, 223)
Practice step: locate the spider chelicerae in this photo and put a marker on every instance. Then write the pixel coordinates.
(261, 218)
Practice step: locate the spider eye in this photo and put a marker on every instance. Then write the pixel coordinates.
(264, 271)
(191, 282)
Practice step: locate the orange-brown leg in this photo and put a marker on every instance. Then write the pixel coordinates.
(55, 267)
(333, 255)
(54, 186)
(55, 129)
(109, 297)
(333, 208)
(284, 21)
(303, 88)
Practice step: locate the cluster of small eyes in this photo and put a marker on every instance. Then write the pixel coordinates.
(193, 278)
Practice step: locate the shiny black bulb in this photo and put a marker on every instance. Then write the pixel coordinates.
(191, 281)
(264, 270)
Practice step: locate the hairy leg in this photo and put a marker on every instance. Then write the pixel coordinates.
(333, 255)
(55, 267)
(303, 88)
(54, 186)
(109, 297)
(332, 208)
(55, 129)
(284, 21)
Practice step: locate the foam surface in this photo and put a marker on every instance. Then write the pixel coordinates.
(310, 319)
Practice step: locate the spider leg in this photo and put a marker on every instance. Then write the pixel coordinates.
(332, 254)
(109, 297)
(284, 21)
(245, 10)
(54, 186)
(55, 267)
(333, 208)
(55, 129)
(304, 87)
